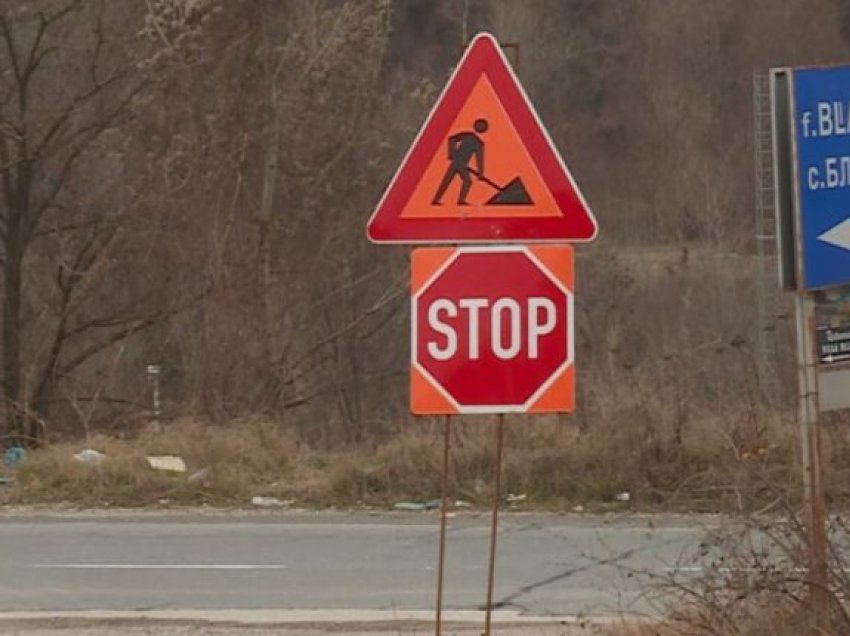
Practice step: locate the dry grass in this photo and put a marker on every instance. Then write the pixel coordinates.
(770, 615)
(243, 460)
(553, 462)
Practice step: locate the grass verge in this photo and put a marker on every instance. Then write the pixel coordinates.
(552, 465)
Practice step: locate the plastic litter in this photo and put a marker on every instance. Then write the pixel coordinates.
(623, 496)
(14, 456)
(90, 456)
(431, 504)
(271, 502)
(513, 499)
(410, 505)
(170, 463)
(199, 476)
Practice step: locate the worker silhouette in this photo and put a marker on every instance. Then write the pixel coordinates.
(462, 148)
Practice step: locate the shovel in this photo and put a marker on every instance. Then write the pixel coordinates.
(513, 193)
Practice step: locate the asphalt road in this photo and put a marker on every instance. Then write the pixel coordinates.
(546, 565)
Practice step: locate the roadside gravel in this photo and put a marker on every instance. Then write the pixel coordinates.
(160, 628)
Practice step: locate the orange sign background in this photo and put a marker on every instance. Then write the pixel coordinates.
(505, 157)
(557, 395)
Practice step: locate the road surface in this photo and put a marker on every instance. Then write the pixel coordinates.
(547, 565)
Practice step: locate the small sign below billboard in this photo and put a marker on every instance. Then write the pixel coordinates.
(832, 319)
(833, 345)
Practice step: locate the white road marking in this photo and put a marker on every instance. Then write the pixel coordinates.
(156, 566)
(318, 616)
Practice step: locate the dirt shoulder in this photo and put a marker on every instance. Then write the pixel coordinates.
(70, 627)
(363, 514)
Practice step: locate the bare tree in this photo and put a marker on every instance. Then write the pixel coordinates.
(67, 85)
(275, 129)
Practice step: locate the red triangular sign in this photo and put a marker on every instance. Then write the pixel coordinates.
(483, 168)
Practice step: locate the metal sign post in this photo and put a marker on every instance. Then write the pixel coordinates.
(497, 489)
(812, 175)
(811, 457)
(444, 505)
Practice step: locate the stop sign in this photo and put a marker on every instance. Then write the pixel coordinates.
(492, 330)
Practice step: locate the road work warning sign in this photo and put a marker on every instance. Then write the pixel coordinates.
(482, 168)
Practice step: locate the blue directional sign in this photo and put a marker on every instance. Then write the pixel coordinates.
(822, 134)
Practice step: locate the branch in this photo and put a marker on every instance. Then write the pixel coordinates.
(10, 48)
(93, 131)
(24, 74)
(60, 120)
(93, 398)
(82, 264)
(131, 326)
(100, 323)
(8, 187)
(87, 256)
(118, 336)
(98, 45)
(97, 87)
(7, 166)
(390, 296)
(61, 229)
(32, 222)
(35, 56)
(158, 27)
(61, 13)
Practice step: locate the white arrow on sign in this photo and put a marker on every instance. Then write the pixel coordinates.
(834, 358)
(839, 235)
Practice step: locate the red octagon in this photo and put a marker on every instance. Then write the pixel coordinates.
(491, 329)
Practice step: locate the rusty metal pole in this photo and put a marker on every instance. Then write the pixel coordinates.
(497, 488)
(443, 511)
(807, 380)
(814, 497)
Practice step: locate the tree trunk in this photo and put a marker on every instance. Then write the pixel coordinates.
(12, 328)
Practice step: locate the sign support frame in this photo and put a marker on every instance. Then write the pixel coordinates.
(576, 223)
(807, 379)
(810, 443)
(494, 525)
(444, 504)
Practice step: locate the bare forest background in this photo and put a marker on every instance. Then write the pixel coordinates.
(185, 183)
